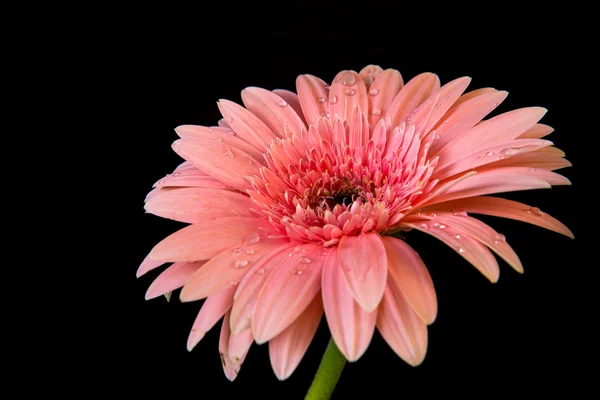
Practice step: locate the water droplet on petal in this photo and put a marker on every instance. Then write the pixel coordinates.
(535, 211)
(442, 226)
(176, 174)
(298, 248)
(228, 153)
(457, 236)
(460, 213)
(261, 271)
(161, 181)
(239, 264)
(436, 137)
(531, 170)
(252, 238)
(327, 87)
(461, 250)
(283, 103)
(337, 79)
(333, 99)
(437, 105)
(423, 226)
(296, 272)
(376, 111)
(234, 283)
(219, 140)
(349, 92)
(348, 79)
(238, 250)
(489, 154)
(373, 92)
(509, 152)
(321, 99)
(479, 157)
(291, 254)
(499, 238)
(305, 260)
(250, 251)
(229, 119)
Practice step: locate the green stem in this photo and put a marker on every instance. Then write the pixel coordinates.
(328, 374)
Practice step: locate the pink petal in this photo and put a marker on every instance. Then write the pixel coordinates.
(314, 98)
(382, 92)
(204, 241)
(189, 178)
(534, 159)
(246, 125)
(287, 349)
(148, 265)
(227, 268)
(225, 163)
(212, 311)
(292, 99)
(411, 96)
(288, 290)
(364, 264)
(538, 131)
(238, 346)
(401, 327)
(503, 208)
(249, 288)
(468, 110)
(194, 205)
(225, 137)
(474, 252)
(370, 73)
(273, 111)
(172, 278)
(347, 91)
(412, 278)
(351, 326)
(244, 339)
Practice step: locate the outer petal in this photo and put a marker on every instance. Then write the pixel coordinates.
(364, 264)
(347, 91)
(242, 341)
(202, 242)
(463, 244)
(401, 327)
(382, 92)
(172, 278)
(224, 136)
(535, 159)
(288, 290)
(504, 208)
(416, 91)
(273, 111)
(538, 131)
(412, 278)
(287, 349)
(313, 97)
(193, 205)
(351, 326)
(212, 311)
(228, 267)
(148, 265)
(292, 99)
(248, 126)
(189, 177)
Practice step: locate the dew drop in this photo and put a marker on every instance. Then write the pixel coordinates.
(219, 140)
(228, 153)
(479, 157)
(333, 99)
(296, 272)
(459, 213)
(433, 214)
(305, 260)
(531, 170)
(327, 87)
(348, 79)
(161, 181)
(461, 250)
(499, 238)
(261, 271)
(437, 105)
(442, 226)
(535, 211)
(436, 137)
(337, 79)
(489, 154)
(252, 238)
(376, 111)
(349, 92)
(321, 99)
(509, 152)
(238, 250)
(374, 92)
(457, 236)
(250, 251)
(234, 283)
(229, 119)
(176, 174)
(239, 264)
(424, 226)
(283, 103)
(291, 255)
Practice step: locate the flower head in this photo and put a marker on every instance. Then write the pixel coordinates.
(293, 201)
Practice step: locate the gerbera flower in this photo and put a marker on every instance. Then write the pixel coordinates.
(293, 202)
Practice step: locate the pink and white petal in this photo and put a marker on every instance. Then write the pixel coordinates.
(194, 205)
(273, 111)
(172, 278)
(538, 131)
(400, 326)
(189, 178)
(364, 265)
(212, 311)
(228, 268)
(246, 125)
(474, 252)
(484, 234)
(287, 291)
(204, 241)
(350, 325)
(230, 368)
(224, 163)
(534, 159)
(293, 100)
(287, 349)
(148, 265)
(313, 97)
(239, 344)
(468, 110)
(552, 178)
(411, 96)
(348, 90)
(412, 277)
(503, 208)
(382, 93)
(246, 295)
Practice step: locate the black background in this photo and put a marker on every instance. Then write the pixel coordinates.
(517, 336)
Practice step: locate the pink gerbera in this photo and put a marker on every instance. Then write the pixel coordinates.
(293, 202)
